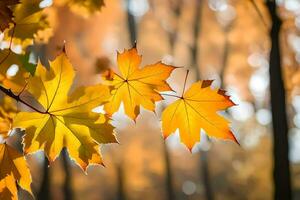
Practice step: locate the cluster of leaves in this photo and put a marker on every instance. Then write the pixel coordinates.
(59, 116)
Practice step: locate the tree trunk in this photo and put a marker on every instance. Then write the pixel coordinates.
(120, 179)
(131, 24)
(205, 175)
(44, 192)
(224, 59)
(282, 183)
(169, 178)
(204, 166)
(67, 169)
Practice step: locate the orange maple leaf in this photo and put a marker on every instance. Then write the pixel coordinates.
(196, 110)
(137, 87)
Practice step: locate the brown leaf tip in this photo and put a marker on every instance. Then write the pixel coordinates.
(232, 137)
(227, 97)
(134, 45)
(165, 136)
(206, 83)
(64, 47)
(190, 149)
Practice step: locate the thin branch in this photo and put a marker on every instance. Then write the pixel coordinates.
(9, 93)
(23, 89)
(259, 13)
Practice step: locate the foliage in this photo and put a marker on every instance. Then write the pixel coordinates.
(65, 120)
(13, 170)
(6, 13)
(60, 115)
(135, 87)
(196, 110)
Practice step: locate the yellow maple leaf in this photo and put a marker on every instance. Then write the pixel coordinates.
(196, 110)
(65, 120)
(17, 80)
(86, 7)
(83, 8)
(135, 86)
(6, 13)
(13, 170)
(8, 110)
(28, 20)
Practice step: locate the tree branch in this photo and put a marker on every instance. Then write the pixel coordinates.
(9, 93)
(259, 13)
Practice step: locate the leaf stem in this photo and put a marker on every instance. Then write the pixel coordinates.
(186, 75)
(9, 93)
(171, 95)
(119, 76)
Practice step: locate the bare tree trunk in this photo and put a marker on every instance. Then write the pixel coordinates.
(224, 59)
(205, 175)
(196, 33)
(120, 178)
(131, 24)
(169, 178)
(281, 171)
(44, 192)
(67, 169)
(204, 166)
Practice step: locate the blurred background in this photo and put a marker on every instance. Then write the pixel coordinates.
(224, 40)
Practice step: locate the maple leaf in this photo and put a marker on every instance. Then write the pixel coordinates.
(15, 81)
(86, 7)
(5, 123)
(28, 19)
(102, 65)
(6, 13)
(135, 86)
(13, 170)
(196, 110)
(66, 120)
(8, 110)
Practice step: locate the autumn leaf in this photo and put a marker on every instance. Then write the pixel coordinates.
(102, 65)
(13, 171)
(8, 110)
(196, 110)
(86, 7)
(6, 14)
(65, 120)
(12, 70)
(5, 123)
(137, 87)
(29, 19)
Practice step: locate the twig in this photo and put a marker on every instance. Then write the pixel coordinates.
(9, 93)
(259, 13)
(10, 44)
